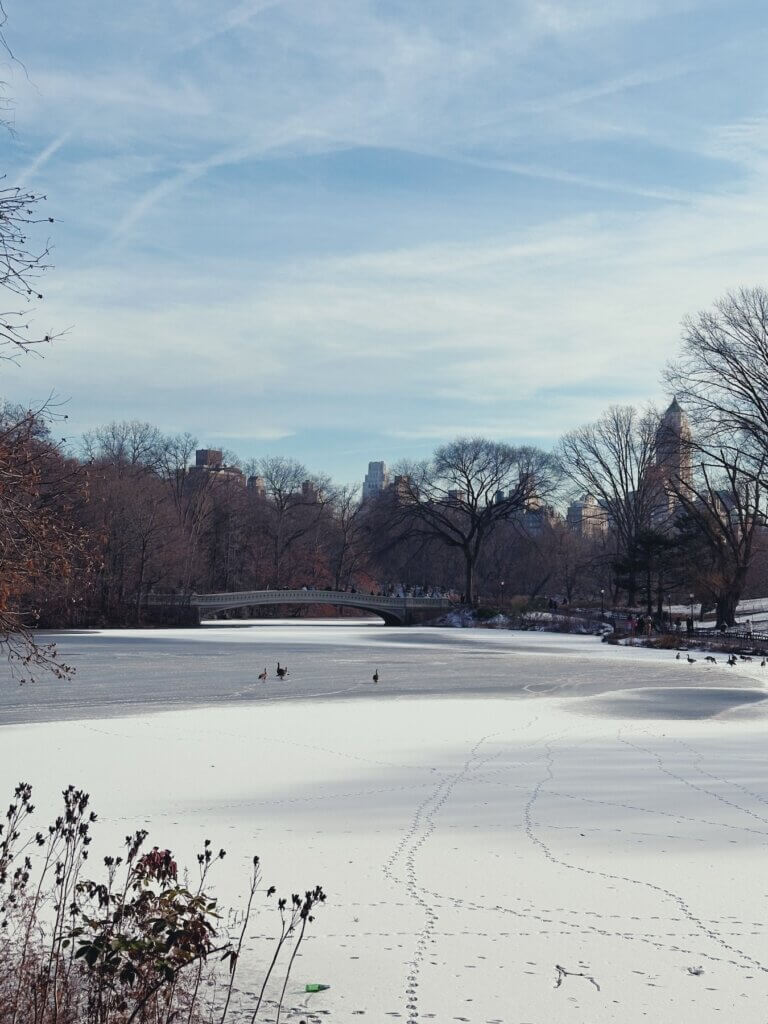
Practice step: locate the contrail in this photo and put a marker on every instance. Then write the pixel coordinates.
(42, 158)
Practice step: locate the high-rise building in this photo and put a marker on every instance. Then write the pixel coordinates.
(376, 479)
(587, 517)
(257, 485)
(673, 464)
(673, 447)
(210, 461)
(310, 492)
(403, 489)
(536, 518)
(208, 458)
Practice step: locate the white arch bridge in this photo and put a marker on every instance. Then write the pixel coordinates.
(187, 609)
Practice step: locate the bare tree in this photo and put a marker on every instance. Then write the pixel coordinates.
(21, 262)
(347, 543)
(552, 560)
(130, 443)
(190, 495)
(465, 491)
(40, 541)
(296, 501)
(725, 509)
(613, 459)
(20, 268)
(722, 376)
(135, 535)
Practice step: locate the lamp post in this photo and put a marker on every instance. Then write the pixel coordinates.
(690, 600)
(669, 608)
(502, 595)
(602, 602)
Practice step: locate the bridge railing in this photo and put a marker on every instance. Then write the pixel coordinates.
(256, 597)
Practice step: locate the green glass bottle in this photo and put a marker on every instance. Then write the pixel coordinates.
(316, 988)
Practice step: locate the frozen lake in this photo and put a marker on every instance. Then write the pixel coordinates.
(499, 805)
(125, 671)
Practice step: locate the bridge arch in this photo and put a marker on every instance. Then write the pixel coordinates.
(395, 611)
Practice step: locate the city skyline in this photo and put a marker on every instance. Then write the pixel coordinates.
(380, 473)
(583, 512)
(451, 223)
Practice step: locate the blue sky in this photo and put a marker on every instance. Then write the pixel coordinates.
(351, 230)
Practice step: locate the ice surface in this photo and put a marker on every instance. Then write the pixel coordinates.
(498, 805)
(125, 671)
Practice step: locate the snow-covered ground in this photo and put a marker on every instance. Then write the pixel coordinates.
(754, 610)
(499, 808)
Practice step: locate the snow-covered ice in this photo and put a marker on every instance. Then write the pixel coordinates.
(500, 806)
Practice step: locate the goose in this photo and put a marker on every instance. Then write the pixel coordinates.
(375, 676)
(710, 658)
(689, 659)
(677, 656)
(282, 672)
(763, 663)
(263, 676)
(732, 660)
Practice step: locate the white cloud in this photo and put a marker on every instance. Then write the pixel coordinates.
(570, 305)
